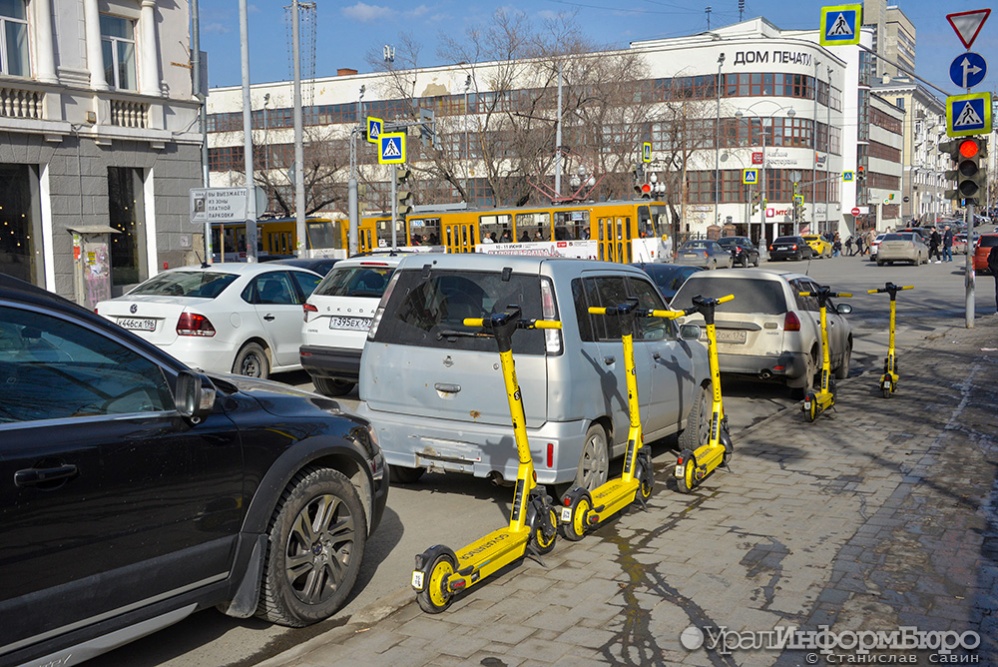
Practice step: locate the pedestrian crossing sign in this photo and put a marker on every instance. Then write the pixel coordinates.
(750, 176)
(848, 176)
(840, 25)
(968, 115)
(374, 127)
(391, 148)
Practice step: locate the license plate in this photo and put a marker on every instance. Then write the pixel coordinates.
(137, 323)
(730, 336)
(689, 254)
(566, 514)
(417, 580)
(351, 323)
(681, 470)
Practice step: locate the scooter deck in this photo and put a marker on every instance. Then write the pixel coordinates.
(490, 553)
(613, 496)
(709, 456)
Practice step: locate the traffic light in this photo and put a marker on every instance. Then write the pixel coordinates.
(403, 195)
(970, 155)
(756, 205)
(861, 174)
(799, 208)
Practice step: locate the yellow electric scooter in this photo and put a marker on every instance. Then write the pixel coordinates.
(440, 573)
(583, 510)
(694, 465)
(816, 403)
(889, 380)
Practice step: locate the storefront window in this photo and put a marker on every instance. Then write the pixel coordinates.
(125, 212)
(20, 238)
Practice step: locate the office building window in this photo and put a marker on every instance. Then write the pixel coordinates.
(14, 59)
(118, 44)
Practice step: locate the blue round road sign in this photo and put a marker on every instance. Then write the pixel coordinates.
(968, 69)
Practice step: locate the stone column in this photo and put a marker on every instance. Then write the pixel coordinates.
(44, 48)
(149, 83)
(95, 57)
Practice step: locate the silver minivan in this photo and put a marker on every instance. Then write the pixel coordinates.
(438, 402)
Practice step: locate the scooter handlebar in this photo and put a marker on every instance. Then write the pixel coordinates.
(884, 290)
(473, 322)
(834, 294)
(543, 324)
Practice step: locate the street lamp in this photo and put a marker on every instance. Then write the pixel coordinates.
(762, 131)
(717, 137)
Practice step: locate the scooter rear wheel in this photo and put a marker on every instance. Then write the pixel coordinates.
(811, 409)
(541, 542)
(435, 596)
(576, 529)
(687, 480)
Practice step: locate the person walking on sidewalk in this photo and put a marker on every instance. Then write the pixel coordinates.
(993, 268)
(849, 251)
(859, 245)
(948, 244)
(934, 241)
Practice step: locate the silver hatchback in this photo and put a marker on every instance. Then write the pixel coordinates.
(438, 401)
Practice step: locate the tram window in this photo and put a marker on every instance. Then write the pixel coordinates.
(538, 224)
(570, 225)
(500, 224)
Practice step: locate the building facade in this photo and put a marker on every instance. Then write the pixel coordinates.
(780, 118)
(101, 140)
(893, 37)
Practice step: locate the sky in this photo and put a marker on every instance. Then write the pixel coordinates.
(346, 32)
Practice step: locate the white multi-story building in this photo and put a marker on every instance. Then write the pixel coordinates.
(776, 101)
(100, 133)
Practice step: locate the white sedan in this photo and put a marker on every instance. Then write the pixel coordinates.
(239, 318)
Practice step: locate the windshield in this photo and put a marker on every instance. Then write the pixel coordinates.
(321, 234)
(200, 284)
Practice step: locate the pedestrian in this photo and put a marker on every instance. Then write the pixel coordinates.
(993, 268)
(859, 245)
(947, 244)
(934, 241)
(849, 249)
(836, 246)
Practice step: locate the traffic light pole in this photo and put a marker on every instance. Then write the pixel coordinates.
(969, 269)
(395, 208)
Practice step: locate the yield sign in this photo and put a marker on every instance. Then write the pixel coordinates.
(968, 24)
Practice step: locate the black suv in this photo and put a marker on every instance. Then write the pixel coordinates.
(135, 491)
(743, 251)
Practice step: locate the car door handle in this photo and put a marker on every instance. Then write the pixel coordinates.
(447, 388)
(609, 361)
(269, 317)
(35, 476)
(657, 356)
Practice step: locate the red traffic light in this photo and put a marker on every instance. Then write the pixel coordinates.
(646, 188)
(969, 148)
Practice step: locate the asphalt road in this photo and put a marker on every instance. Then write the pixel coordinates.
(454, 509)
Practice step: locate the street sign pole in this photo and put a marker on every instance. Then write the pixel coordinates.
(395, 208)
(969, 267)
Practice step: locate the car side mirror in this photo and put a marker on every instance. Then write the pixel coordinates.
(195, 396)
(843, 308)
(689, 332)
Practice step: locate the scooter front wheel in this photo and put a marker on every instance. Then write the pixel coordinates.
(545, 533)
(435, 596)
(575, 528)
(729, 448)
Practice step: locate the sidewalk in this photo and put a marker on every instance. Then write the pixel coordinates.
(881, 514)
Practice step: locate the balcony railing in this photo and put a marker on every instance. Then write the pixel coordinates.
(125, 113)
(20, 103)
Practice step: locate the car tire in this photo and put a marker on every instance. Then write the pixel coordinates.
(403, 475)
(697, 431)
(319, 513)
(594, 464)
(331, 387)
(842, 372)
(879, 263)
(755, 262)
(252, 361)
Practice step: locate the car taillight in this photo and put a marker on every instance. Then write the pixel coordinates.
(552, 337)
(791, 322)
(306, 309)
(192, 324)
(795, 246)
(770, 248)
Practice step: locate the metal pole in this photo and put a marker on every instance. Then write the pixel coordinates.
(300, 227)
(353, 207)
(717, 141)
(395, 204)
(968, 271)
(764, 196)
(247, 135)
(202, 116)
(814, 158)
(557, 141)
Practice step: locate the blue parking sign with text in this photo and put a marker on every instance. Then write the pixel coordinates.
(374, 127)
(840, 25)
(391, 148)
(968, 115)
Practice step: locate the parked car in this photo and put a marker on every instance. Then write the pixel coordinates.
(337, 316)
(960, 243)
(320, 265)
(820, 246)
(902, 247)
(875, 246)
(667, 277)
(704, 253)
(769, 331)
(438, 400)
(239, 318)
(981, 249)
(743, 251)
(137, 491)
(789, 247)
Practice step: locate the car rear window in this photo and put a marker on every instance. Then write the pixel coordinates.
(200, 284)
(899, 237)
(424, 308)
(989, 241)
(367, 280)
(751, 295)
